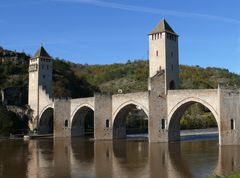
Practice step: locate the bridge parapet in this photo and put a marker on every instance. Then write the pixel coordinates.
(192, 91)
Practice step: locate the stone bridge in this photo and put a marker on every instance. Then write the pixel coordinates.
(110, 112)
(163, 104)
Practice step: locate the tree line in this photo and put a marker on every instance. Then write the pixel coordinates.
(82, 80)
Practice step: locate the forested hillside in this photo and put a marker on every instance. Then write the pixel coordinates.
(77, 80)
(133, 76)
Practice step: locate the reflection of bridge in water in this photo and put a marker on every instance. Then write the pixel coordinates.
(83, 158)
(163, 104)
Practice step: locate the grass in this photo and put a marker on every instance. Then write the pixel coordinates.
(231, 176)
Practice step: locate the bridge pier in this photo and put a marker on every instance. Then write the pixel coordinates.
(62, 110)
(229, 113)
(103, 117)
(157, 109)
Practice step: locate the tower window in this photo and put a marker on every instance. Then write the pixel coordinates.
(107, 123)
(43, 76)
(232, 124)
(163, 123)
(157, 53)
(171, 54)
(172, 67)
(175, 38)
(47, 67)
(66, 123)
(152, 37)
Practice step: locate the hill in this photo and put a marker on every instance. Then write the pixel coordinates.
(133, 76)
(77, 80)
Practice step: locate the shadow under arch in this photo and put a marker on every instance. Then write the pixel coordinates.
(120, 119)
(82, 122)
(45, 125)
(177, 113)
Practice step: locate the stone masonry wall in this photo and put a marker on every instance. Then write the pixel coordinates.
(103, 112)
(157, 109)
(62, 109)
(229, 116)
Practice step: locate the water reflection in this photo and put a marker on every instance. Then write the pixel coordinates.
(125, 158)
(130, 158)
(13, 158)
(229, 160)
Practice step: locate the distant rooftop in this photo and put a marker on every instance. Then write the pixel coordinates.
(41, 53)
(163, 26)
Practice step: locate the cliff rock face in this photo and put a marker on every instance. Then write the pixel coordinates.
(13, 56)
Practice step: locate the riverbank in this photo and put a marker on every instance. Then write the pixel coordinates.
(209, 131)
(199, 134)
(186, 135)
(196, 134)
(231, 176)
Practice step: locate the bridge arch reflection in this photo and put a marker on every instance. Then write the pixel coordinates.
(130, 159)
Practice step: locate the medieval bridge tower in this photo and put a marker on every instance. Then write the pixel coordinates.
(40, 85)
(163, 54)
(163, 104)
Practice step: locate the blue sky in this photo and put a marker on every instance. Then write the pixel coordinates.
(113, 31)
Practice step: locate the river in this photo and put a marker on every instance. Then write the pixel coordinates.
(84, 158)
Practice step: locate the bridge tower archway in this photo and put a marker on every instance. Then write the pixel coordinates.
(82, 122)
(179, 110)
(172, 85)
(120, 121)
(45, 125)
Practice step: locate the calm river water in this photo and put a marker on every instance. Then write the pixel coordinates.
(62, 158)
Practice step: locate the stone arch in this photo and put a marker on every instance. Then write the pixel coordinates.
(44, 109)
(78, 119)
(128, 103)
(178, 110)
(79, 107)
(45, 125)
(119, 121)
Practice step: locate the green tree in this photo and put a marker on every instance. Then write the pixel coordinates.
(10, 123)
